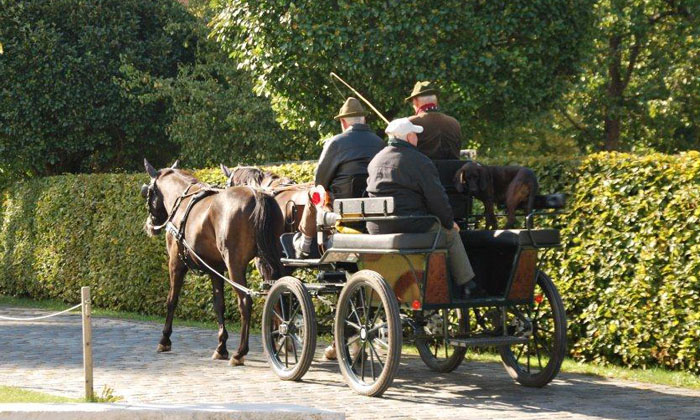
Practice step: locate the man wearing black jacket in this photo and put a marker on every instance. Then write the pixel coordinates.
(344, 158)
(401, 171)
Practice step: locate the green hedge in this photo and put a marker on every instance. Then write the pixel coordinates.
(628, 271)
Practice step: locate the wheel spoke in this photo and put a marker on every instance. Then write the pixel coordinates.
(294, 347)
(353, 339)
(294, 313)
(380, 309)
(286, 353)
(354, 311)
(377, 327)
(385, 345)
(282, 307)
(369, 308)
(279, 346)
(278, 315)
(352, 324)
(376, 353)
(362, 362)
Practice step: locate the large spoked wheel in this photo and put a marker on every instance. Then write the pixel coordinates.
(536, 362)
(433, 346)
(368, 333)
(289, 328)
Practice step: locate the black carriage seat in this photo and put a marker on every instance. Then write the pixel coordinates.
(511, 238)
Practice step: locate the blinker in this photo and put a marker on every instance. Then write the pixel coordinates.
(144, 190)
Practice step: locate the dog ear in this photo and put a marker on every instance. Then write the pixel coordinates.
(458, 180)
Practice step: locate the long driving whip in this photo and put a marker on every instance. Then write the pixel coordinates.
(360, 96)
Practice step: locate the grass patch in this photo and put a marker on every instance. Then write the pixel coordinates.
(11, 394)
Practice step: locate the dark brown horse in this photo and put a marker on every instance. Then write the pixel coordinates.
(226, 229)
(290, 197)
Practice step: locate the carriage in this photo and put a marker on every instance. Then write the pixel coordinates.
(390, 289)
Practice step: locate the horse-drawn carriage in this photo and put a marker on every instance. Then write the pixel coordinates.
(394, 288)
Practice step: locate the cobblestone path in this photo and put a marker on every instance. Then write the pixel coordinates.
(46, 356)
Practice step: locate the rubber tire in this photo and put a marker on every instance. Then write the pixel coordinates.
(453, 361)
(297, 288)
(391, 308)
(552, 369)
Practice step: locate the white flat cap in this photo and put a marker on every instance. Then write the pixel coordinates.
(401, 127)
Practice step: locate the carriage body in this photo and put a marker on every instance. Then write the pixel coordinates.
(406, 277)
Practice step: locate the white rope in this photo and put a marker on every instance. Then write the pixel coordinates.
(7, 318)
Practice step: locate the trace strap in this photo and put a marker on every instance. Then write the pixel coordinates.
(170, 228)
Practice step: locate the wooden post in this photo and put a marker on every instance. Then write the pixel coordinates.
(87, 341)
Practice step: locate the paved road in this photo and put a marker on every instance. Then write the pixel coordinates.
(46, 356)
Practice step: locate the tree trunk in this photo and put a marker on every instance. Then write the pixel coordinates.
(614, 94)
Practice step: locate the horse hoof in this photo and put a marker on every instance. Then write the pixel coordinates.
(237, 362)
(219, 356)
(329, 353)
(163, 348)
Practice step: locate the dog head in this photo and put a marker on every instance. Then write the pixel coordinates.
(474, 176)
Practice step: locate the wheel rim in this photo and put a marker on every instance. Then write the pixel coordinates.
(287, 331)
(537, 322)
(435, 340)
(365, 340)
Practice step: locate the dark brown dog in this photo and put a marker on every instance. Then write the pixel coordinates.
(509, 185)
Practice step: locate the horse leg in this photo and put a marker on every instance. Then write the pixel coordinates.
(245, 307)
(217, 284)
(177, 271)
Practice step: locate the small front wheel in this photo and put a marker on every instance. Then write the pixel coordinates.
(368, 333)
(289, 329)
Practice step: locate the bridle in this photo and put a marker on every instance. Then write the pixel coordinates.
(178, 201)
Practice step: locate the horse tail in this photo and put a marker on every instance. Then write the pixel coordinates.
(268, 226)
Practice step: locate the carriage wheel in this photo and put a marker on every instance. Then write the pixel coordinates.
(368, 333)
(536, 362)
(289, 328)
(432, 346)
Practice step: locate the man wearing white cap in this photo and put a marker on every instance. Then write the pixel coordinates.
(401, 171)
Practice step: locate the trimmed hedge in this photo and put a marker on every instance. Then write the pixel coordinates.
(628, 271)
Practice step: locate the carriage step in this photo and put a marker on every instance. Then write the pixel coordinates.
(291, 262)
(487, 341)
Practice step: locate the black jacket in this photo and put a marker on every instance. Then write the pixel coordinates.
(346, 156)
(403, 172)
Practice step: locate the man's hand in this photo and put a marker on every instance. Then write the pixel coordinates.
(455, 226)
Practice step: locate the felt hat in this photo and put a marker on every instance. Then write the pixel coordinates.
(401, 127)
(351, 108)
(422, 89)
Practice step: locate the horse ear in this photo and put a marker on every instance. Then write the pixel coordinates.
(225, 170)
(174, 165)
(150, 170)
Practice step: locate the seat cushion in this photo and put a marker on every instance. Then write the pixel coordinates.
(510, 237)
(386, 241)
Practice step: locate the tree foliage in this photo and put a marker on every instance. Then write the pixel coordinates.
(640, 88)
(496, 61)
(61, 105)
